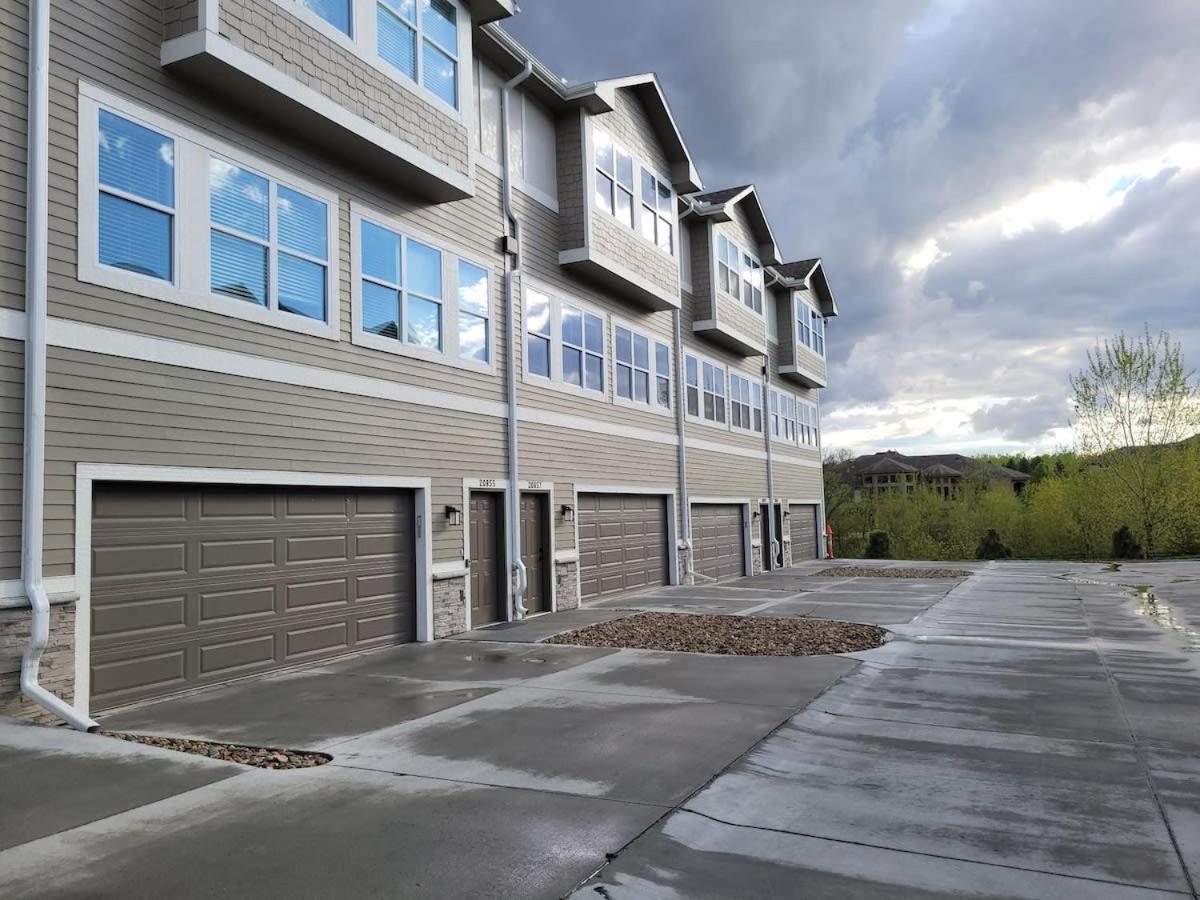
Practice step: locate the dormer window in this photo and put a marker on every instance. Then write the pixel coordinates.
(739, 274)
(810, 326)
(614, 179)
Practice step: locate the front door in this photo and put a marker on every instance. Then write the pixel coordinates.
(487, 558)
(772, 556)
(535, 544)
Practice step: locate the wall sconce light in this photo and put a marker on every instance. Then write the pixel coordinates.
(754, 514)
(454, 515)
(787, 513)
(568, 513)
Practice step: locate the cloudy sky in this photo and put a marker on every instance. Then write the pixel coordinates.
(993, 185)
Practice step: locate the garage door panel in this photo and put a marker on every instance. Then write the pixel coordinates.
(142, 506)
(622, 541)
(253, 592)
(718, 539)
(803, 517)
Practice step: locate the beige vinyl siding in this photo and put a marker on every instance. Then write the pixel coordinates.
(572, 183)
(570, 455)
(712, 474)
(265, 29)
(103, 409)
(810, 362)
(12, 413)
(179, 17)
(14, 64)
(628, 248)
(800, 483)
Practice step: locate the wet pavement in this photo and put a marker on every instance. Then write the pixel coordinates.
(1032, 731)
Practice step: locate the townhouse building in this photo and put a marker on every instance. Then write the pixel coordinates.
(335, 324)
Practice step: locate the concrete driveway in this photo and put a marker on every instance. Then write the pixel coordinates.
(1026, 735)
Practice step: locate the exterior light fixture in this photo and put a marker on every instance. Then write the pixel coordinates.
(568, 513)
(454, 515)
(787, 513)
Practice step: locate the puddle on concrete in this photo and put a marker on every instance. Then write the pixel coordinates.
(1166, 617)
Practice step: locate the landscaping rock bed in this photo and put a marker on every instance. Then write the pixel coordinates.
(882, 572)
(728, 635)
(259, 757)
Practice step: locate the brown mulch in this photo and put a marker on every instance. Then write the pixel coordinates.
(729, 635)
(882, 572)
(260, 757)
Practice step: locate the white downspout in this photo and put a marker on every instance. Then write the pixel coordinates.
(685, 505)
(37, 240)
(771, 536)
(512, 268)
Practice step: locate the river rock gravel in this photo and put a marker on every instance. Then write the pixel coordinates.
(884, 572)
(260, 757)
(729, 635)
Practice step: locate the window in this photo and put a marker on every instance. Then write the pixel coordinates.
(693, 386)
(803, 323)
(818, 333)
(423, 47)
(137, 197)
(640, 376)
(614, 179)
(810, 435)
(414, 298)
(533, 142)
(685, 258)
(745, 403)
(565, 343)
(739, 274)
(269, 244)
(714, 393)
(658, 212)
(337, 13)
(245, 239)
(783, 416)
(537, 326)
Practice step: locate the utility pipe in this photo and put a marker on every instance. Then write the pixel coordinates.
(512, 268)
(37, 240)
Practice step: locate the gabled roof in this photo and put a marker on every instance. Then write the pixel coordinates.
(884, 465)
(596, 97)
(809, 274)
(938, 470)
(719, 205)
(934, 465)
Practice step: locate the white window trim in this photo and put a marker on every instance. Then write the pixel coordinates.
(555, 381)
(192, 227)
(638, 167)
(795, 420)
(363, 43)
(529, 190)
(448, 355)
(801, 302)
(724, 368)
(717, 234)
(753, 382)
(815, 444)
(672, 371)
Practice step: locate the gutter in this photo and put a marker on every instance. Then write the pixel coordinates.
(512, 269)
(33, 488)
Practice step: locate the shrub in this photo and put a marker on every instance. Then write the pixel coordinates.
(1125, 545)
(991, 547)
(879, 545)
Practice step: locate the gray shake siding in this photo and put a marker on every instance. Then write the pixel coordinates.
(265, 29)
(137, 381)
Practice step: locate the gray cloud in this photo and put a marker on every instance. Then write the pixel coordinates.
(872, 128)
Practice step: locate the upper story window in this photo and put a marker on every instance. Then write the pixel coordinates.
(658, 212)
(423, 46)
(242, 239)
(745, 403)
(810, 327)
(807, 420)
(783, 416)
(643, 368)
(419, 39)
(705, 390)
(614, 179)
(337, 13)
(564, 343)
(739, 274)
(533, 148)
(412, 297)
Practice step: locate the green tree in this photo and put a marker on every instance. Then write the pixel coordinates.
(1134, 400)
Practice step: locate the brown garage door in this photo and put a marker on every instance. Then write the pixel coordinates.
(804, 532)
(622, 543)
(718, 547)
(196, 584)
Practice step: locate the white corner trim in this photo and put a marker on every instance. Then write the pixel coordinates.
(211, 44)
(208, 15)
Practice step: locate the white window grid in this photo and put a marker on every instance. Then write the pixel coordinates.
(739, 274)
(615, 171)
(658, 212)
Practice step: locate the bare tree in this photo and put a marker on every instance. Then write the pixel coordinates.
(1135, 402)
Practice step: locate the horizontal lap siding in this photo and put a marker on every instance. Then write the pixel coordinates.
(126, 61)
(108, 410)
(798, 482)
(14, 64)
(12, 393)
(569, 455)
(810, 362)
(712, 474)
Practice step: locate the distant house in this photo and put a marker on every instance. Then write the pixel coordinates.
(944, 473)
